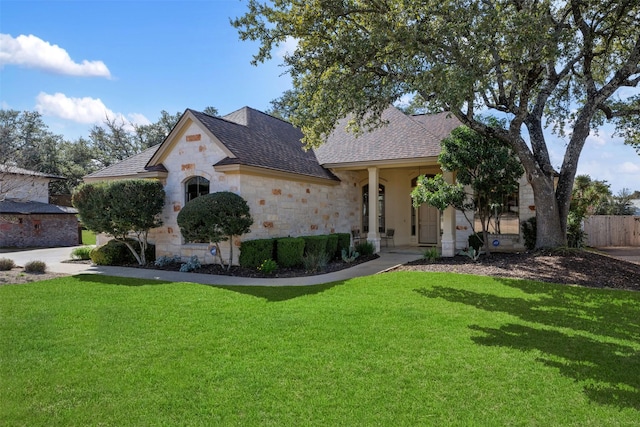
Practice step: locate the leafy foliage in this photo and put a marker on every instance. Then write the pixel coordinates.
(214, 218)
(365, 248)
(6, 264)
(35, 267)
(536, 62)
(528, 228)
(121, 208)
(254, 252)
(290, 251)
(116, 252)
(486, 165)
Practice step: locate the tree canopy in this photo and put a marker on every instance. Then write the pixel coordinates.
(120, 209)
(539, 63)
(214, 218)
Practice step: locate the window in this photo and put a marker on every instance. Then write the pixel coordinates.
(505, 218)
(196, 187)
(365, 208)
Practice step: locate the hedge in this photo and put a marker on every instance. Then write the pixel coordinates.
(344, 242)
(290, 251)
(254, 252)
(115, 252)
(315, 244)
(332, 246)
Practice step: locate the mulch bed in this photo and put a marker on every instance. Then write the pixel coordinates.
(281, 273)
(574, 267)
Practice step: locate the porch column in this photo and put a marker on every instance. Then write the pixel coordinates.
(448, 224)
(373, 235)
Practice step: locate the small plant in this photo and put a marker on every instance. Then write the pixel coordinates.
(471, 253)
(191, 265)
(165, 260)
(81, 253)
(349, 255)
(431, 254)
(365, 248)
(38, 267)
(315, 261)
(6, 264)
(268, 266)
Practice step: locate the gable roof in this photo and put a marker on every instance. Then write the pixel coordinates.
(260, 140)
(130, 167)
(403, 138)
(13, 170)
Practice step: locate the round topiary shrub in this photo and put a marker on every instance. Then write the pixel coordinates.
(214, 218)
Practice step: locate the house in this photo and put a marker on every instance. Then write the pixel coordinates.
(293, 192)
(27, 219)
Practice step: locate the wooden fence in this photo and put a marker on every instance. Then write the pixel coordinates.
(612, 230)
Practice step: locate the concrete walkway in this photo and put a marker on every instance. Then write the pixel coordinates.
(54, 258)
(625, 253)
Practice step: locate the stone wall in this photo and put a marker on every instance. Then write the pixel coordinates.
(38, 230)
(280, 206)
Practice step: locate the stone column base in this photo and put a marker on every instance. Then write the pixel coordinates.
(448, 248)
(375, 241)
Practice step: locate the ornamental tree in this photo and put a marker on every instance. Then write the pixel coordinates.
(122, 209)
(488, 167)
(214, 218)
(557, 63)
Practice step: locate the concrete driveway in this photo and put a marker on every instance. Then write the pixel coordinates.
(53, 257)
(626, 253)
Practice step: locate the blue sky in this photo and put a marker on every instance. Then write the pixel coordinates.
(77, 61)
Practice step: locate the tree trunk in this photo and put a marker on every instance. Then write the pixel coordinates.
(549, 230)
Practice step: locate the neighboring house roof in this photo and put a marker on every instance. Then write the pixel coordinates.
(402, 138)
(13, 170)
(260, 140)
(129, 167)
(19, 207)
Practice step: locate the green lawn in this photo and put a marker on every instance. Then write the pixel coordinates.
(398, 349)
(88, 237)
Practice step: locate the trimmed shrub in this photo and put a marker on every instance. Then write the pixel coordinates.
(344, 242)
(332, 246)
(290, 251)
(365, 248)
(254, 252)
(6, 264)
(35, 267)
(115, 252)
(315, 244)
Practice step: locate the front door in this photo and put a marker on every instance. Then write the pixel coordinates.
(428, 225)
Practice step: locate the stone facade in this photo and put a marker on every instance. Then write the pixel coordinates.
(280, 205)
(38, 230)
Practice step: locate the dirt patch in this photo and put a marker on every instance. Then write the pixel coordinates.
(18, 276)
(584, 268)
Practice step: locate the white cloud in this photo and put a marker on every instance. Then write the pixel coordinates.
(83, 110)
(629, 168)
(33, 52)
(287, 48)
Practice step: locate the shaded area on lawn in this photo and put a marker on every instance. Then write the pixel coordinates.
(577, 331)
(113, 280)
(280, 293)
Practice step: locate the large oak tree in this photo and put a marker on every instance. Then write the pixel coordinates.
(538, 62)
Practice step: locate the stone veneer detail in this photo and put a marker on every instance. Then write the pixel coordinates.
(279, 206)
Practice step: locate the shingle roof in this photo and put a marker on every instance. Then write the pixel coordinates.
(13, 206)
(258, 139)
(6, 169)
(404, 137)
(133, 165)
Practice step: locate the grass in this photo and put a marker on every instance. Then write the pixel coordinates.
(399, 349)
(88, 237)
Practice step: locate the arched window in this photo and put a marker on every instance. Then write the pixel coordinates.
(365, 208)
(195, 187)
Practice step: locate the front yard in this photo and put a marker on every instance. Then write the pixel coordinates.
(403, 348)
